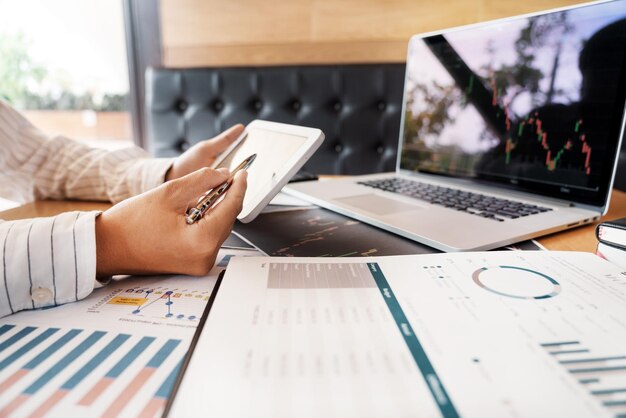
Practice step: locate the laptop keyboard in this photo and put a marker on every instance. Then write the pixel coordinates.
(474, 203)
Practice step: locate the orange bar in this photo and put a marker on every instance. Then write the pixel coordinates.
(47, 406)
(9, 410)
(128, 393)
(95, 391)
(153, 408)
(11, 380)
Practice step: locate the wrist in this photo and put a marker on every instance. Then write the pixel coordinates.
(105, 247)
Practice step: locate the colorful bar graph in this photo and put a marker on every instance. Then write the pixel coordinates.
(115, 371)
(80, 375)
(156, 405)
(27, 347)
(32, 364)
(140, 379)
(16, 337)
(52, 372)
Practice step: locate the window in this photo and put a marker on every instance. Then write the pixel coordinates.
(63, 64)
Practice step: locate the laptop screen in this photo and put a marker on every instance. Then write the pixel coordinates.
(536, 103)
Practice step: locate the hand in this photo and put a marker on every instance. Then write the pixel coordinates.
(148, 233)
(203, 154)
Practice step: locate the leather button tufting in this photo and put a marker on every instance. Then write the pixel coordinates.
(337, 106)
(218, 105)
(296, 105)
(381, 106)
(257, 105)
(181, 105)
(183, 145)
(338, 148)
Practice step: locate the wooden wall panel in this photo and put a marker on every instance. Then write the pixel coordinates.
(261, 32)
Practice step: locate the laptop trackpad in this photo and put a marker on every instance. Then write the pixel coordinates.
(377, 204)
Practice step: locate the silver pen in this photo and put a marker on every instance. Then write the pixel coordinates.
(207, 200)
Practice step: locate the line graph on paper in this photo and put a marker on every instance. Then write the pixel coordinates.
(161, 300)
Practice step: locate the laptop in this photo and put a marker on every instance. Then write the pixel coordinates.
(510, 129)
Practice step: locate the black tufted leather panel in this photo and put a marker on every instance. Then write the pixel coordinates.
(356, 106)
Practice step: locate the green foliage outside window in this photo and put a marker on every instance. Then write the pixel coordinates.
(21, 77)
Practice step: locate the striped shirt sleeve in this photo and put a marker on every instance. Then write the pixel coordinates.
(51, 261)
(46, 261)
(36, 166)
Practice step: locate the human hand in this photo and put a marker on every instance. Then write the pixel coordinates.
(148, 233)
(203, 154)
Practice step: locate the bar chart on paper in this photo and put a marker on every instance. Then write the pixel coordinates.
(79, 372)
(601, 373)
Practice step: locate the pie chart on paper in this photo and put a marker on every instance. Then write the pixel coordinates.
(516, 282)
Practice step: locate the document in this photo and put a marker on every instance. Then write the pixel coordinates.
(497, 334)
(115, 353)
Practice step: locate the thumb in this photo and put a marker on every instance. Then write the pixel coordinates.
(188, 189)
(220, 220)
(223, 140)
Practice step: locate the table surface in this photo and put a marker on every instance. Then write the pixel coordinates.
(578, 239)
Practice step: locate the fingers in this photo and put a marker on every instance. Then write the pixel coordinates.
(186, 190)
(223, 140)
(219, 221)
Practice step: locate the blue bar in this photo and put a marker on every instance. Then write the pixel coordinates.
(16, 337)
(129, 357)
(27, 347)
(597, 369)
(592, 360)
(163, 353)
(554, 353)
(561, 343)
(84, 371)
(52, 348)
(419, 355)
(6, 328)
(63, 363)
(607, 391)
(614, 403)
(587, 381)
(166, 388)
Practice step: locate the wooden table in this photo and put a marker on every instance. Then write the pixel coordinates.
(578, 239)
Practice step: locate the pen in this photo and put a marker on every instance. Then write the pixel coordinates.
(207, 200)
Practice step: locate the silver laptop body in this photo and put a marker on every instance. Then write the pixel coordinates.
(510, 130)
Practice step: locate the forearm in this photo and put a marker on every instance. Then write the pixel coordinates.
(33, 165)
(75, 171)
